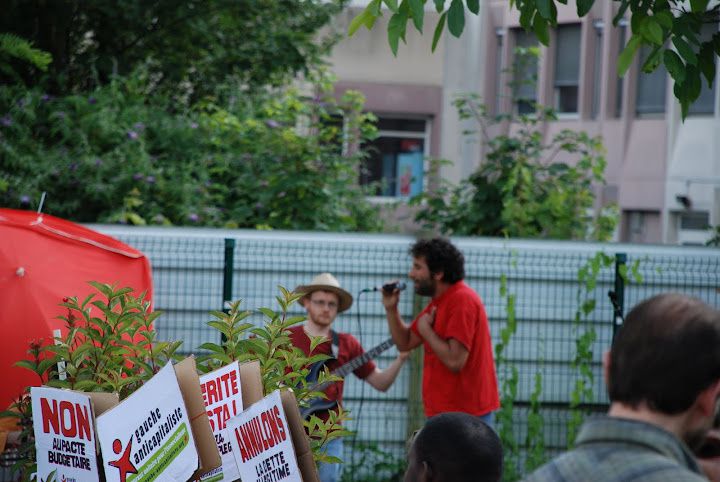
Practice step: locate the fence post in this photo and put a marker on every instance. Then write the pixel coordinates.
(619, 289)
(228, 267)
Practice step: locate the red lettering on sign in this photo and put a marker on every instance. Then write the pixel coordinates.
(70, 419)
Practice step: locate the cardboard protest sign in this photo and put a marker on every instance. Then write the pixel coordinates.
(262, 443)
(148, 436)
(64, 435)
(222, 394)
(300, 440)
(189, 382)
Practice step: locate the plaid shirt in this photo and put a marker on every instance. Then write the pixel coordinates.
(611, 449)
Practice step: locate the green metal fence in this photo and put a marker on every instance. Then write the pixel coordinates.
(195, 270)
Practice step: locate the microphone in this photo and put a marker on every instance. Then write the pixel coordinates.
(388, 287)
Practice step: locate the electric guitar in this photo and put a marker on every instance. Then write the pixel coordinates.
(319, 404)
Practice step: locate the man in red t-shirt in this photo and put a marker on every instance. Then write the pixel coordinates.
(458, 368)
(323, 300)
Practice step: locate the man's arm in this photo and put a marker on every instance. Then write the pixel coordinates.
(405, 339)
(451, 352)
(382, 379)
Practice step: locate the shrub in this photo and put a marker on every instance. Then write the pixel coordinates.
(127, 153)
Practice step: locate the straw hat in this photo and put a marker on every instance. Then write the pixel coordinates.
(327, 282)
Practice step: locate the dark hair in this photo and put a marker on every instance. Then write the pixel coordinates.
(441, 257)
(666, 353)
(460, 447)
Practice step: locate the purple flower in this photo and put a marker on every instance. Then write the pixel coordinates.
(92, 100)
(46, 98)
(73, 166)
(193, 217)
(132, 135)
(24, 199)
(137, 176)
(259, 205)
(150, 179)
(6, 120)
(193, 125)
(98, 162)
(139, 126)
(282, 194)
(272, 124)
(61, 114)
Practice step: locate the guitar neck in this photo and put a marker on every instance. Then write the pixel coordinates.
(343, 370)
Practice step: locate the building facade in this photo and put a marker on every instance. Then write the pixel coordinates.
(662, 172)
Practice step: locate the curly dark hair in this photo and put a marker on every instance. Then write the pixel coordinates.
(441, 257)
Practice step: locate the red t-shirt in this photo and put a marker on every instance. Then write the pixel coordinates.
(460, 315)
(349, 347)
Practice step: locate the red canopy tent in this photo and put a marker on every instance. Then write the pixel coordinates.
(42, 260)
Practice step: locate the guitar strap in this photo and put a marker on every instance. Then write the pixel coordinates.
(335, 346)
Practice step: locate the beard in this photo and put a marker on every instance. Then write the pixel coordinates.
(425, 287)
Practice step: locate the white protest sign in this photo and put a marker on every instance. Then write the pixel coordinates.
(223, 400)
(148, 437)
(262, 444)
(64, 435)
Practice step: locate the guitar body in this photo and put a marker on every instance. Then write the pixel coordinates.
(320, 404)
(317, 404)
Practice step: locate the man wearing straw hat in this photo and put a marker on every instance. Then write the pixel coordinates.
(323, 299)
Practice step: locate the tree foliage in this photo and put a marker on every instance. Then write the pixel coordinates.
(125, 152)
(526, 186)
(192, 44)
(670, 28)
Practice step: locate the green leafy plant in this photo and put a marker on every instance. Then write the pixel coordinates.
(127, 152)
(373, 464)
(509, 378)
(12, 46)
(111, 346)
(526, 186)
(670, 28)
(282, 365)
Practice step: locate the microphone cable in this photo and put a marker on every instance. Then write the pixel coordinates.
(362, 392)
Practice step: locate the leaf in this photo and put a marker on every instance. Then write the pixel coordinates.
(439, 5)
(686, 52)
(653, 60)
(584, 6)
(707, 63)
(391, 4)
(358, 22)
(438, 31)
(651, 30)
(699, 5)
(544, 8)
(540, 27)
(417, 12)
(674, 65)
(473, 6)
(395, 29)
(693, 83)
(374, 8)
(665, 19)
(456, 18)
(628, 54)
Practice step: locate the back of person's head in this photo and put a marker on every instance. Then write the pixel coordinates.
(441, 256)
(665, 354)
(456, 447)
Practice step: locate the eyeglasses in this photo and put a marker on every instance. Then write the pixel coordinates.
(322, 304)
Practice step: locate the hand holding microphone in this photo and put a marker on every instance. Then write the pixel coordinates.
(387, 287)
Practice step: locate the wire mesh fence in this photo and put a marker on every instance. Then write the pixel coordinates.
(538, 284)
